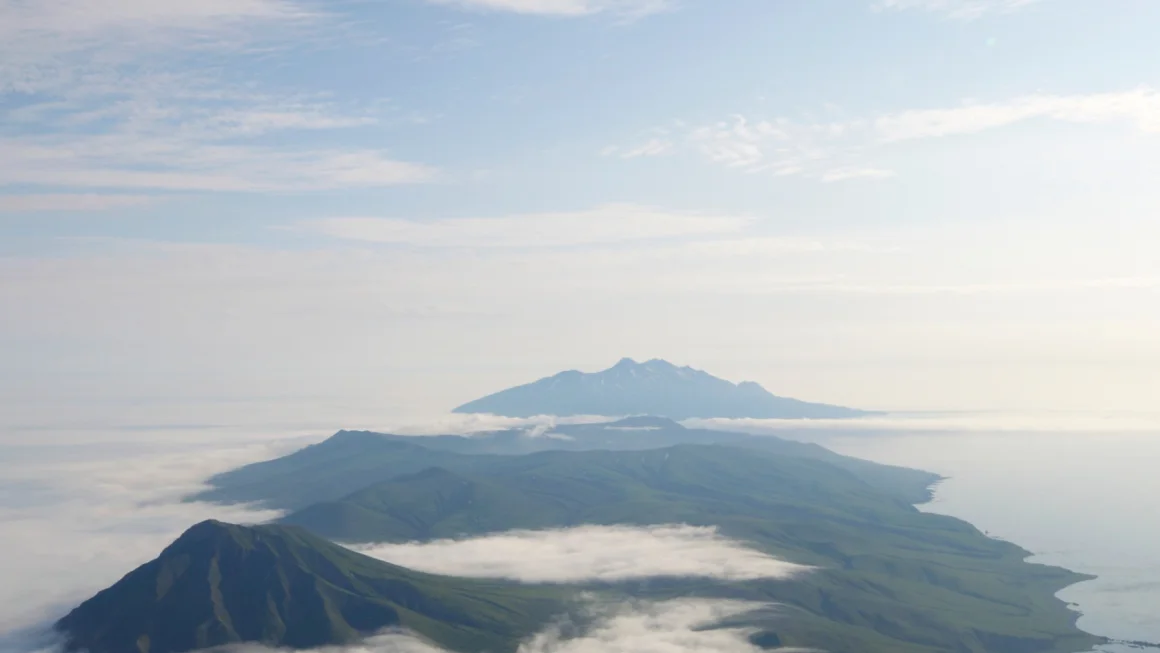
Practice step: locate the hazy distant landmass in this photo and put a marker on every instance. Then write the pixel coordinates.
(655, 387)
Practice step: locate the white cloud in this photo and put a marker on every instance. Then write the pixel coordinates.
(565, 8)
(650, 148)
(956, 9)
(78, 510)
(104, 95)
(419, 330)
(589, 553)
(611, 223)
(55, 44)
(842, 174)
(1138, 108)
(157, 162)
(948, 423)
(388, 642)
(678, 626)
(188, 134)
(71, 202)
(846, 149)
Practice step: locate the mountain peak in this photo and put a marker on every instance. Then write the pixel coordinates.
(654, 387)
(210, 529)
(651, 364)
(221, 584)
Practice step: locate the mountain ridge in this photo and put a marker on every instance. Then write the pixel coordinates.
(351, 460)
(282, 586)
(655, 387)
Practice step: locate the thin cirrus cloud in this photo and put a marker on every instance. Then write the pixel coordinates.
(611, 223)
(652, 147)
(956, 9)
(74, 519)
(564, 8)
(140, 161)
(103, 98)
(590, 553)
(70, 202)
(37, 38)
(846, 149)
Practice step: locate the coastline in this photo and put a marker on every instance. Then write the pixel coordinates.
(1072, 578)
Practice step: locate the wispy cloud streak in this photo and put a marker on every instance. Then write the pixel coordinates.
(111, 94)
(846, 149)
(955, 9)
(564, 8)
(611, 223)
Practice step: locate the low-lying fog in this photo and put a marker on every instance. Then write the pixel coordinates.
(74, 518)
(79, 509)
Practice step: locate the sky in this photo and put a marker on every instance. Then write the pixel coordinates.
(391, 207)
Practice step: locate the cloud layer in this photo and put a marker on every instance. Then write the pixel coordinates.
(611, 223)
(112, 94)
(848, 148)
(680, 626)
(76, 515)
(564, 8)
(589, 553)
(80, 509)
(956, 9)
(950, 423)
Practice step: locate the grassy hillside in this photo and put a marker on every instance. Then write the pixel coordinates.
(281, 586)
(352, 460)
(891, 578)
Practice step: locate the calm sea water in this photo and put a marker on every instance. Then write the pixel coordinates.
(1086, 499)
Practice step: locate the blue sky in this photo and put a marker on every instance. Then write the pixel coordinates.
(406, 203)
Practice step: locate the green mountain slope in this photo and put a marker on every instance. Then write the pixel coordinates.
(890, 577)
(352, 460)
(281, 586)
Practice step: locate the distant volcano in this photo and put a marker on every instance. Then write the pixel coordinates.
(655, 387)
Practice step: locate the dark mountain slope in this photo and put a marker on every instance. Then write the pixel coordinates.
(655, 387)
(281, 586)
(889, 577)
(350, 460)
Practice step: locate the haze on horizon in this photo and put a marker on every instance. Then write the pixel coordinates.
(404, 205)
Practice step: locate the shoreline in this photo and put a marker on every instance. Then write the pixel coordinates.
(1078, 578)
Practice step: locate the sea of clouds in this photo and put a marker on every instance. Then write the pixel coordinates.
(589, 553)
(80, 508)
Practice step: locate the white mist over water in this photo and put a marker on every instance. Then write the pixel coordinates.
(1082, 494)
(81, 505)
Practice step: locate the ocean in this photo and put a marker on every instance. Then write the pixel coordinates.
(1080, 491)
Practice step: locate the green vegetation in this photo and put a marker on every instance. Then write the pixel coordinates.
(890, 577)
(352, 460)
(281, 586)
